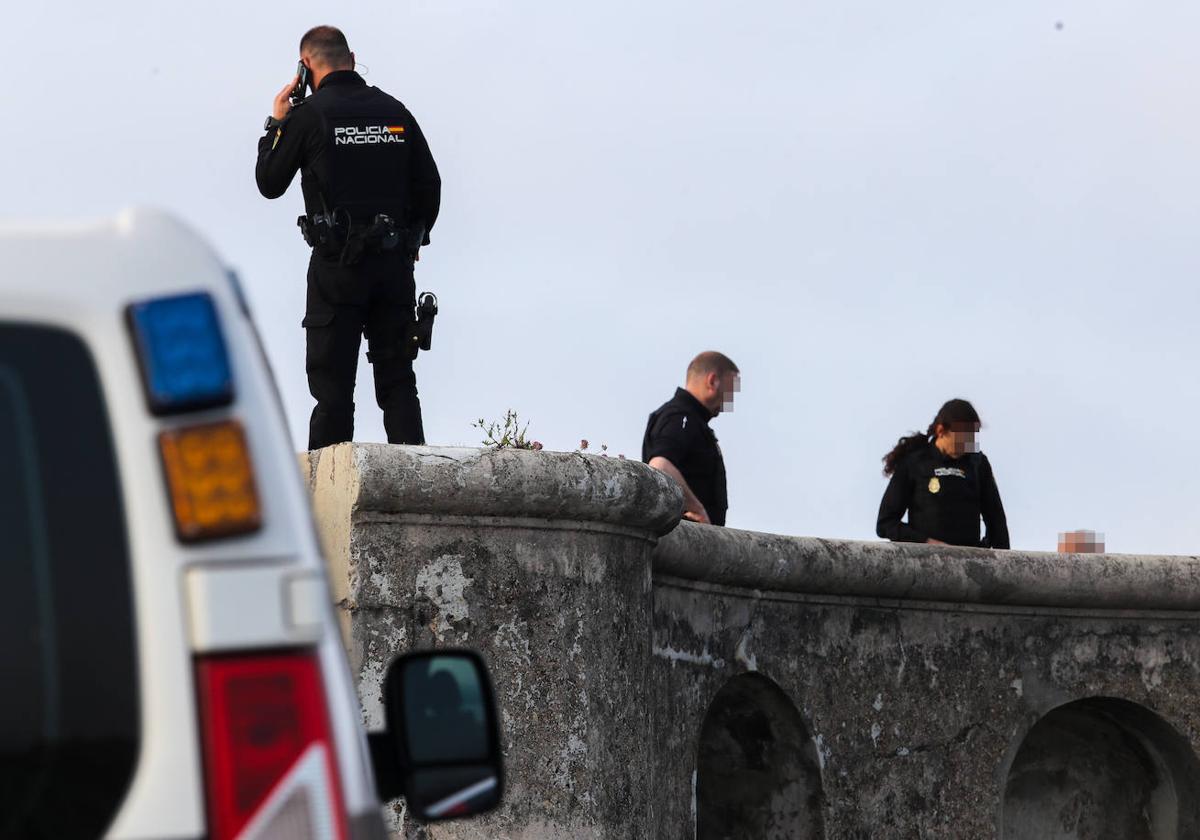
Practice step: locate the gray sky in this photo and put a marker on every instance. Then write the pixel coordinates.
(871, 206)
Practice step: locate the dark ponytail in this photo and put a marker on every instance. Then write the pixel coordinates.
(953, 412)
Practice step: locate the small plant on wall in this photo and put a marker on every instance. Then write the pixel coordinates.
(510, 433)
(507, 433)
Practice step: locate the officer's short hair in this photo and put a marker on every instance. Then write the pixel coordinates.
(710, 361)
(327, 45)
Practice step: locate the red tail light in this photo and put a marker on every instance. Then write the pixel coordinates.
(270, 765)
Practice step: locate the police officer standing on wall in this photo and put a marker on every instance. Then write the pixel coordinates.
(371, 196)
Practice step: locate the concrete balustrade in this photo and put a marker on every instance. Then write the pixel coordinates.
(677, 681)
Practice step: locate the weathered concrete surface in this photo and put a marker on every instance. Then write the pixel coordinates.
(739, 685)
(750, 560)
(917, 708)
(541, 561)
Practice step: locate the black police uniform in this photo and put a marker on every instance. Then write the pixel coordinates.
(678, 431)
(360, 154)
(945, 498)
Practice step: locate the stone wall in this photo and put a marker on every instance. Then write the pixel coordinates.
(540, 561)
(945, 692)
(739, 685)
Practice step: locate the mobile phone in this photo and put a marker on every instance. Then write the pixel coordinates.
(301, 84)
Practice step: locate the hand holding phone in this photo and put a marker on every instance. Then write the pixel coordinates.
(292, 92)
(283, 101)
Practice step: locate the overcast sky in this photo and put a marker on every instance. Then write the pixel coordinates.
(870, 206)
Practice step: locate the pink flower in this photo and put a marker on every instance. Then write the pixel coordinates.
(583, 444)
(537, 446)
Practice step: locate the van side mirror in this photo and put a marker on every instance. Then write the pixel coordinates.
(441, 750)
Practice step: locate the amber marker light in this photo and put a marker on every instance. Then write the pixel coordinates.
(211, 481)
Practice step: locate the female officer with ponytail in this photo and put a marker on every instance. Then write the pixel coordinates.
(944, 483)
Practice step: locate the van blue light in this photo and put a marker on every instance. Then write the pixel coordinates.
(182, 354)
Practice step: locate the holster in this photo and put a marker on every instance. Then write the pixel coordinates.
(308, 230)
(421, 336)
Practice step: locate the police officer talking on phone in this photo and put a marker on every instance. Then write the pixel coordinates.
(371, 196)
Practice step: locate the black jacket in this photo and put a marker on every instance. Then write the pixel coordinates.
(358, 150)
(945, 498)
(678, 431)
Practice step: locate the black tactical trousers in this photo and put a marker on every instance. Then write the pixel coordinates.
(374, 297)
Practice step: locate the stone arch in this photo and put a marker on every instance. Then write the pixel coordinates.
(758, 775)
(1099, 769)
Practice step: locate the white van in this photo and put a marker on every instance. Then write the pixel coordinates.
(171, 665)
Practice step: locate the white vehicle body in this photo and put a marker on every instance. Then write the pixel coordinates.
(263, 591)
